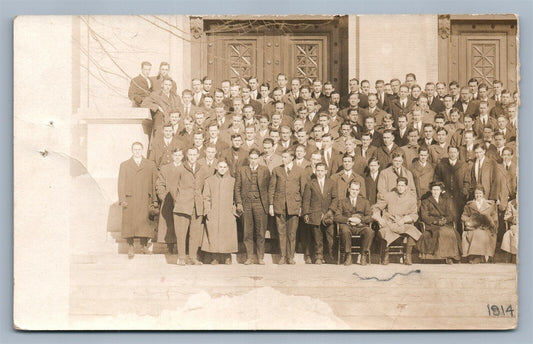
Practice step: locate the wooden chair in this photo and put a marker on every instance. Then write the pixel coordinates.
(355, 245)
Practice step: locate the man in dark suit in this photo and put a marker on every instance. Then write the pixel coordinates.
(343, 178)
(198, 94)
(318, 203)
(484, 120)
(429, 133)
(141, 85)
(187, 108)
(370, 127)
(400, 134)
(509, 166)
(353, 102)
(189, 207)
(380, 93)
(454, 173)
(209, 160)
(162, 147)
(285, 191)
(157, 81)
(247, 100)
(385, 153)
(374, 110)
(486, 173)
(354, 216)
(466, 104)
(161, 104)
(435, 104)
(330, 156)
(366, 150)
(363, 95)
(235, 156)
(371, 180)
(402, 105)
(251, 198)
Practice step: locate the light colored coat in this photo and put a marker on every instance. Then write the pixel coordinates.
(391, 209)
(220, 234)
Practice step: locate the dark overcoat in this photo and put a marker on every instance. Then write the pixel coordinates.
(166, 181)
(316, 203)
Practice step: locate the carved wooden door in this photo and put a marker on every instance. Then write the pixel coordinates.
(236, 58)
(486, 52)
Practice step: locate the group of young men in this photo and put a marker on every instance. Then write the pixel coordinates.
(306, 157)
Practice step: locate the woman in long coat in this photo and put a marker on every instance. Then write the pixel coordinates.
(440, 240)
(167, 182)
(480, 217)
(220, 236)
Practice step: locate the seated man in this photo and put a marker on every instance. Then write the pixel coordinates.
(354, 216)
(396, 214)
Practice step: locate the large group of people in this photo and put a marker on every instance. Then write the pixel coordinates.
(432, 168)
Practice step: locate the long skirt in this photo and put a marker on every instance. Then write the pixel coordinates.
(479, 242)
(440, 243)
(510, 240)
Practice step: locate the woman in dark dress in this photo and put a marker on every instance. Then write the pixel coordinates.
(440, 240)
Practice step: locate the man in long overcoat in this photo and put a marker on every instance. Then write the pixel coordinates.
(136, 193)
(396, 214)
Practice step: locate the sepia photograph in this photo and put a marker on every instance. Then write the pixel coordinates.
(266, 172)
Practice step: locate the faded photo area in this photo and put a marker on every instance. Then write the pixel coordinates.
(348, 172)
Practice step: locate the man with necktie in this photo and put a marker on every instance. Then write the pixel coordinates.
(141, 85)
(354, 215)
(318, 203)
(285, 192)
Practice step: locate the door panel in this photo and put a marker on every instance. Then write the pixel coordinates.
(235, 58)
(307, 58)
(485, 58)
(484, 50)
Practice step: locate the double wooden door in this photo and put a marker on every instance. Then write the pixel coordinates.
(307, 52)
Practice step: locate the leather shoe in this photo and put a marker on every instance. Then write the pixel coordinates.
(131, 252)
(282, 261)
(308, 260)
(227, 261)
(181, 261)
(291, 261)
(146, 250)
(385, 260)
(318, 261)
(348, 260)
(364, 258)
(261, 262)
(195, 261)
(248, 262)
(449, 261)
(214, 262)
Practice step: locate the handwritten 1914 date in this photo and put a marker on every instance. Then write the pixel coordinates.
(500, 311)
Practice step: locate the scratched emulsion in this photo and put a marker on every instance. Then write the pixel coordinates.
(417, 271)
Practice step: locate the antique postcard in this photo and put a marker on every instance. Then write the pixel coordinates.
(266, 172)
